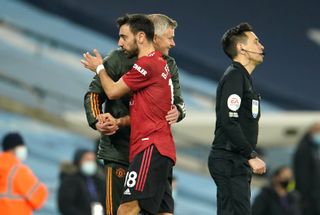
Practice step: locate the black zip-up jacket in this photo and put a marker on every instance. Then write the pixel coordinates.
(237, 111)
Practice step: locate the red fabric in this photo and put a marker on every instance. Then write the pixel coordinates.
(150, 81)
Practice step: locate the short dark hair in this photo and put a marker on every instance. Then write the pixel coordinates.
(137, 23)
(233, 36)
(12, 140)
(279, 170)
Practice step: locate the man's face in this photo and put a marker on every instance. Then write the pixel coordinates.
(286, 174)
(88, 156)
(165, 42)
(253, 45)
(127, 41)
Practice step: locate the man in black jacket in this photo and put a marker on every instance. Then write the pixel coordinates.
(278, 198)
(307, 170)
(233, 156)
(82, 192)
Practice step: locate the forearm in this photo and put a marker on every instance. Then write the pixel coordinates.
(92, 108)
(93, 100)
(182, 111)
(178, 99)
(114, 90)
(237, 138)
(108, 85)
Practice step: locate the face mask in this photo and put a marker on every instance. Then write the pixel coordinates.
(21, 153)
(89, 168)
(316, 138)
(284, 183)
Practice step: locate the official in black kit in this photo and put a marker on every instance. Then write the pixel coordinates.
(233, 158)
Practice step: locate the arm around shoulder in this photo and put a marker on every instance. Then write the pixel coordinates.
(178, 98)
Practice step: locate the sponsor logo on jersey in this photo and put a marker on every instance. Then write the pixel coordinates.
(255, 108)
(165, 74)
(234, 102)
(233, 114)
(140, 69)
(127, 192)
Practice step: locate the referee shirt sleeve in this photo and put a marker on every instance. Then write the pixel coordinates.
(231, 95)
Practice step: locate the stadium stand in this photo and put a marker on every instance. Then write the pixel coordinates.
(40, 76)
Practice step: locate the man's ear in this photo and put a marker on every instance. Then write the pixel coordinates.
(155, 39)
(140, 37)
(240, 49)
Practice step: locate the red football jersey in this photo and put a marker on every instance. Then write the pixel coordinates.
(152, 98)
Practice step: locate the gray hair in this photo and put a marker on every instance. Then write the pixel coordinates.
(162, 22)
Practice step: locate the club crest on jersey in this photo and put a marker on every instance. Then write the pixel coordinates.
(140, 69)
(120, 172)
(234, 102)
(255, 108)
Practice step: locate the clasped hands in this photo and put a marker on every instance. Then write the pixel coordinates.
(107, 124)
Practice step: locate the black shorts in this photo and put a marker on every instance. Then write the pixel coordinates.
(148, 180)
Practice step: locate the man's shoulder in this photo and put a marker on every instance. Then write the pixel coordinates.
(169, 59)
(232, 73)
(73, 178)
(147, 60)
(24, 170)
(118, 53)
(119, 56)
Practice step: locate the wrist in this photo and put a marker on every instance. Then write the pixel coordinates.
(253, 155)
(99, 68)
(123, 121)
(118, 122)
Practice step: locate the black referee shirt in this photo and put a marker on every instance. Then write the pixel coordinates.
(237, 111)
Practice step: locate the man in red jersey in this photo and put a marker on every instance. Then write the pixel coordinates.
(152, 151)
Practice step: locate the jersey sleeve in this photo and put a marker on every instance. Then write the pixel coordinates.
(231, 95)
(93, 100)
(139, 76)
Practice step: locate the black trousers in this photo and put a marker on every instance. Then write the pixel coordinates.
(232, 175)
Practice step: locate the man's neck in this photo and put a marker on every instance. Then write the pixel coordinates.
(246, 64)
(145, 49)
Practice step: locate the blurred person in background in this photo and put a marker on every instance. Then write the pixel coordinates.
(115, 133)
(81, 191)
(278, 198)
(233, 158)
(307, 170)
(20, 190)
